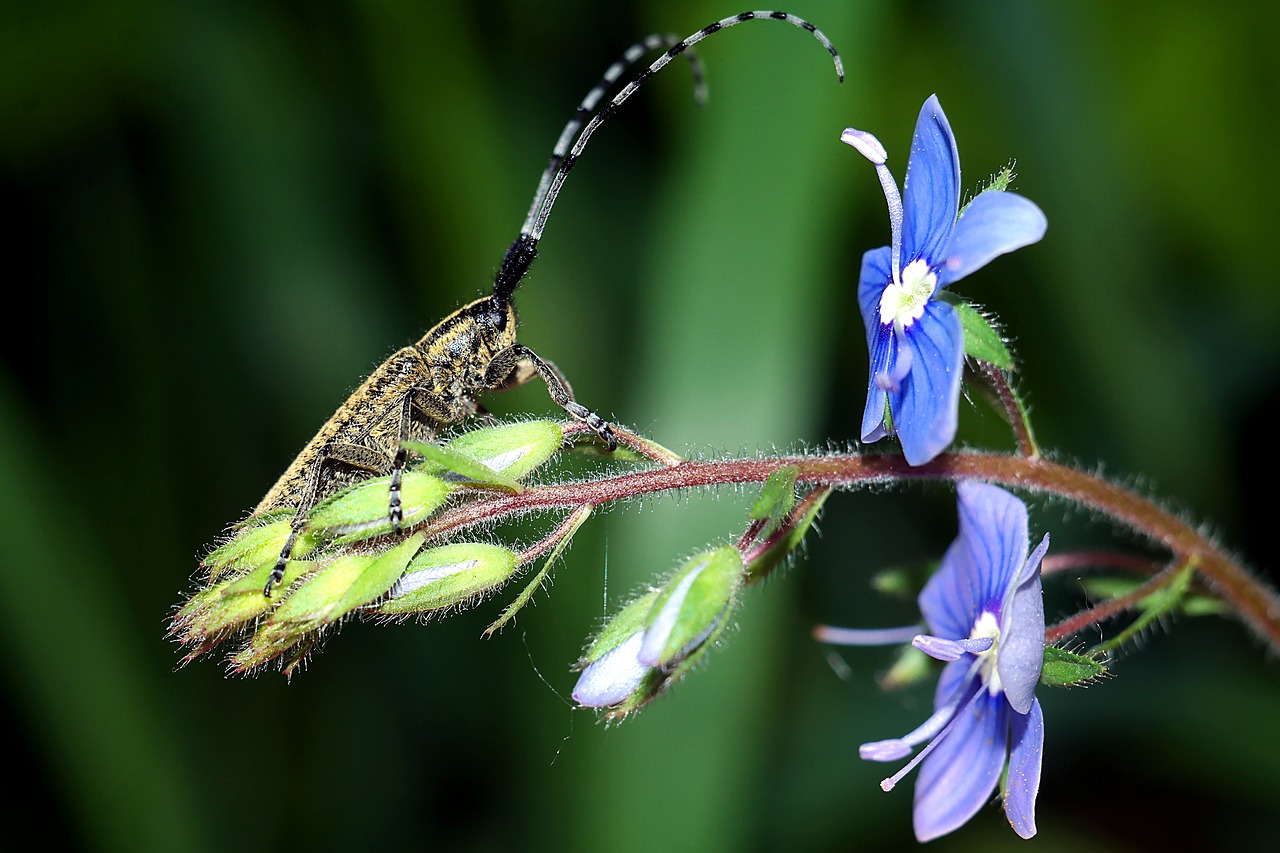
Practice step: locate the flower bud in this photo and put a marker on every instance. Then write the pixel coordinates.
(613, 677)
(255, 546)
(209, 615)
(449, 576)
(332, 592)
(611, 672)
(361, 512)
(692, 605)
(515, 449)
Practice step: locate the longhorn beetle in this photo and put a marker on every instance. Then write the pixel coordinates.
(433, 383)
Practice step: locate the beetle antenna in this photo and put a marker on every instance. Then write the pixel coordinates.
(522, 252)
(520, 255)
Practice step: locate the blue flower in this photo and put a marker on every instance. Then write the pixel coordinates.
(985, 615)
(913, 334)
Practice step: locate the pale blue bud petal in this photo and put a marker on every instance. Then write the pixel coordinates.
(613, 677)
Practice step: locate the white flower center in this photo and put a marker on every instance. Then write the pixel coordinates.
(985, 665)
(904, 302)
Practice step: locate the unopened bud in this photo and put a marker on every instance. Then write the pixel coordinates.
(611, 671)
(449, 576)
(255, 546)
(332, 592)
(362, 512)
(513, 449)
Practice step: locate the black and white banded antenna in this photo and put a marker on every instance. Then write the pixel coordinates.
(586, 109)
(522, 252)
(520, 255)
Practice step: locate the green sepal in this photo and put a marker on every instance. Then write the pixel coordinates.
(777, 497)
(982, 341)
(785, 540)
(620, 628)
(360, 513)
(575, 520)
(1066, 669)
(254, 547)
(702, 605)
(298, 655)
(657, 680)
(449, 576)
(453, 464)
(1000, 182)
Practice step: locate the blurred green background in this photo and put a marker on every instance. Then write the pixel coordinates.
(222, 214)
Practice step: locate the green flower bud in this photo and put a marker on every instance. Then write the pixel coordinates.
(449, 576)
(513, 449)
(255, 546)
(329, 594)
(361, 512)
(212, 613)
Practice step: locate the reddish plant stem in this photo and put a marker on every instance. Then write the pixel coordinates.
(1015, 412)
(1255, 603)
(1080, 560)
(1112, 607)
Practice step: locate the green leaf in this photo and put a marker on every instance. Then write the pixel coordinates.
(1064, 669)
(575, 521)
(982, 341)
(785, 540)
(777, 497)
(1163, 600)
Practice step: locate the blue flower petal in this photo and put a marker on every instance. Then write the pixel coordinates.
(874, 277)
(926, 410)
(1024, 770)
(958, 777)
(994, 223)
(1021, 655)
(883, 350)
(931, 191)
(978, 570)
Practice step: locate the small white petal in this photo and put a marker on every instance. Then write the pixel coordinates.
(611, 679)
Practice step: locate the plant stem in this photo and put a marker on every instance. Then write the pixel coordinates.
(1112, 607)
(1253, 601)
(1015, 411)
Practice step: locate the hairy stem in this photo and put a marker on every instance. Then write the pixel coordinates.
(1112, 607)
(1015, 410)
(1256, 604)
